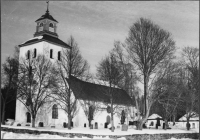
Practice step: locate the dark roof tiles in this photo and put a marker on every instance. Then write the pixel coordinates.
(47, 38)
(94, 92)
(46, 16)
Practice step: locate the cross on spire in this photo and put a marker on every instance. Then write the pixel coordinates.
(47, 6)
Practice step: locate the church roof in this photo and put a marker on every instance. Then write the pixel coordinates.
(46, 16)
(45, 37)
(95, 92)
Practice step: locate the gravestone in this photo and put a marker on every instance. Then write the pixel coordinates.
(106, 125)
(41, 124)
(18, 124)
(124, 127)
(96, 125)
(91, 126)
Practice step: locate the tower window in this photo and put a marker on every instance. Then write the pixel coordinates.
(51, 53)
(55, 112)
(40, 27)
(28, 54)
(41, 24)
(59, 56)
(51, 25)
(34, 53)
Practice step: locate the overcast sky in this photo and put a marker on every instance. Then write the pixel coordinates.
(95, 25)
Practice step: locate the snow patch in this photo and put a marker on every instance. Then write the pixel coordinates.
(37, 37)
(195, 117)
(154, 116)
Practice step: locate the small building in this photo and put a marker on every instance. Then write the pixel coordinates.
(152, 120)
(194, 121)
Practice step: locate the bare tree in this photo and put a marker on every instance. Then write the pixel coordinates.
(36, 80)
(167, 90)
(71, 63)
(148, 45)
(90, 108)
(108, 71)
(190, 59)
(130, 78)
(8, 83)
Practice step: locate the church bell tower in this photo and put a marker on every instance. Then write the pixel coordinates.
(45, 41)
(46, 24)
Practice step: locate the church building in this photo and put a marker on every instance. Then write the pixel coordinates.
(47, 42)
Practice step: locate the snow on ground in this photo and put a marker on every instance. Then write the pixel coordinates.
(102, 132)
(11, 135)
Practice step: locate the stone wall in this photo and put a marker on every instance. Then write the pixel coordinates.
(163, 136)
(128, 137)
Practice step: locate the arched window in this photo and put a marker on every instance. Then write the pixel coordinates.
(51, 53)
(34, 53)
(28, 116)
(54, 112)
(59, 55)
(41, 27)
(41, 24)
(108, 119)
(51, 25)
(151, 124)
(28, 54)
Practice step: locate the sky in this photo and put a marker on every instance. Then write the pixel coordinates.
(95, 25)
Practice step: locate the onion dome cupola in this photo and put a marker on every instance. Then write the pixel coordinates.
(46, 24)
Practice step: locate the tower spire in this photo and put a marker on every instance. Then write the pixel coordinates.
(47, 6)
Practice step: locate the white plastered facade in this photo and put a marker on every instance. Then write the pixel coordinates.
(45, 113)
(100, 117)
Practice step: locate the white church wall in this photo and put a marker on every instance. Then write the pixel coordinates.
(45, 116)
(20, 113)
(55, 48)
(100, 117)
(45, 113)
(193, 124)
(42, 48)
(80, 117)
(38, 46)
